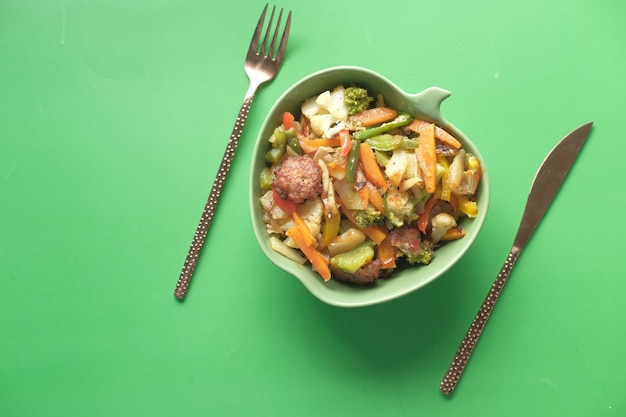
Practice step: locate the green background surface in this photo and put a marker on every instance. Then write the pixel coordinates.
(113, 119)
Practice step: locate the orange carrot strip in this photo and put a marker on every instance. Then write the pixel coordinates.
(309, 239)
(375, 198)
(365, 195)
(376, 233)
(371, 168)
(374, 116)
(426, 153)
(387, 254)
(316, 143)
(311, 145)
(317, 259)
(447, 138)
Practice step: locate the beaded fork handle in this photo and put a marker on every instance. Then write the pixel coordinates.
(263, 61)
(216, 190)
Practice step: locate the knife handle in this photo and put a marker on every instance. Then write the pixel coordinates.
(468, 344)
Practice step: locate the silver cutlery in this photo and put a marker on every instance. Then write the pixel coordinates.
(547, 182)
(261, 65)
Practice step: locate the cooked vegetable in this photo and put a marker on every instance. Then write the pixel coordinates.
(346, 241)
(353, 159)
(424, 256)
(325, 111)
(387, 254)
(330, 229)
(351, 261)
(401, 120)
(265, 180)
(308, 237)
(373, 116)
(369, 216)
(441, 223)
(356, 99)
(357, 188)
(288, 120)
(427, 154)
(280, 247)
(319, 261)
(371, 168)
(446, 138)
(388, 142)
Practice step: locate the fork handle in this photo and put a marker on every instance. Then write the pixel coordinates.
(468, 344)
(216, 190)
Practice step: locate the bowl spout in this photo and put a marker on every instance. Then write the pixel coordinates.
(428, 102)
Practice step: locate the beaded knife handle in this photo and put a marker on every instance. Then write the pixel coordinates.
(209, 209)
(471, 337)
(547, 182)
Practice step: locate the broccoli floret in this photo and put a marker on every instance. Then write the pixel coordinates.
(357, 99)
(369, 216)
(424, 256)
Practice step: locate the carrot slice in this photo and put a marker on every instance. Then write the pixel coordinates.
(365, 195)
(374, 116)
(426, 153)
(309, 239)
(317, 259)
(375, 198)
(376, 233)
(371, 168)
(447, 138)
(316, 143)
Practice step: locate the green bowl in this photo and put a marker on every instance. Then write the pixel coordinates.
(426, 105)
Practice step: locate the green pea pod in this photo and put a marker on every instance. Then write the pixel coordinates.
(401, 120)
(384, 142)
(353, 160)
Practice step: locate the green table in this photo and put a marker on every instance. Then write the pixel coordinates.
(114, 117)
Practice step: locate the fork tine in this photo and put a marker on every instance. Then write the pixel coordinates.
(254, 43)
(273, 45)
(283, 41)
(267, 32)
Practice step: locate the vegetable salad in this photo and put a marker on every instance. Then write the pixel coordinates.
(358, 189)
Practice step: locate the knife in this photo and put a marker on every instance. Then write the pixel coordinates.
(546, 183)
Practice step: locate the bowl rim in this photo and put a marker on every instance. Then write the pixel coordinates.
(371, 297)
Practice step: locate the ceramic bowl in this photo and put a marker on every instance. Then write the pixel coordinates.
(425, 104)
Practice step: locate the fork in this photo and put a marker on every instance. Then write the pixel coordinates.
(262, 64)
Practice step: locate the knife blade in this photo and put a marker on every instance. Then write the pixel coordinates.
(545, 185)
